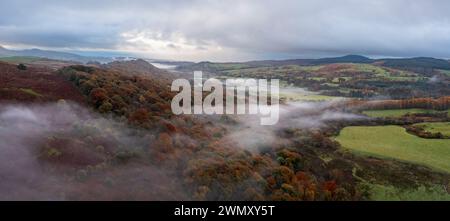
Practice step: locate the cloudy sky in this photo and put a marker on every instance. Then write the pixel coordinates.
(230, 30)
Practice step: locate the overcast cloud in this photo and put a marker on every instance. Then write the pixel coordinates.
(231, 30)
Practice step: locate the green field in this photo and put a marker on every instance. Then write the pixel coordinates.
(390, 193)
(396, 112)
(300, 94)
(306, 97)
(394, 142)
(447, 72)
(317, 78)
(20, 59)
(436, 127)
(380, 72)
(30, 92)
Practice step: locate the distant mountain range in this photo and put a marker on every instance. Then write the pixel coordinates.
(418, 63)
(421, 63)
(56, 55)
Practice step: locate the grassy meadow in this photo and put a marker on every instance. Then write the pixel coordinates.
(396, 112)
(20, 59)
(390, 193)
(394, 142)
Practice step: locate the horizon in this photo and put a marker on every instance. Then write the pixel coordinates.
(254, 30)
(117, 54)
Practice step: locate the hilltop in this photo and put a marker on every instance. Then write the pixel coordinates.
(55, 55)
(418, 63)
(138, 67)
(35, 84)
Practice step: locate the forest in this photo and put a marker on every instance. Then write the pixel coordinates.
(107, 132)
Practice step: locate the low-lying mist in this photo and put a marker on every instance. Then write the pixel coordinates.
(65, 152)
(62, 151)
(302, 115)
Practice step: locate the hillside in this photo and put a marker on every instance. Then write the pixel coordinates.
(138, 67)
(420, 63)
(353, 80)
(36, 84)
(127, 131)
(55, 55)
(344, 59)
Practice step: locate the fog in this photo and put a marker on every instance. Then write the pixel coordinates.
(302, 115)
(62, 151)
(434, 79)
(28, 172)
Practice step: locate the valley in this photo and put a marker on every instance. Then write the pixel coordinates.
(397, 118)
(107, 132)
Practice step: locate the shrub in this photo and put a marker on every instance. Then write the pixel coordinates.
(98, 95)
(105, 107)
(22, 67)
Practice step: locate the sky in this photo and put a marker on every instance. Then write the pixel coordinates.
(230, 30)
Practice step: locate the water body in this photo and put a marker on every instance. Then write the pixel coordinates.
(164, 66)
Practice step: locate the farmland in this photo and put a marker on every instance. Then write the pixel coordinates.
(403, 162)
(397, 112)
(393, 142)
(390, 193)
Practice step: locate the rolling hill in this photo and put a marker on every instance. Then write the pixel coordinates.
(417, 63)
(56, 55)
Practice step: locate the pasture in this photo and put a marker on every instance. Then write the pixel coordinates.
(396, 112)
(395, 143)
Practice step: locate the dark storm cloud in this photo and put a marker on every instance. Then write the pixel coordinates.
(233, 29)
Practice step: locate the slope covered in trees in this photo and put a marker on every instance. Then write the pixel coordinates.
(127, 144)
(212, 166)
(35, 84)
